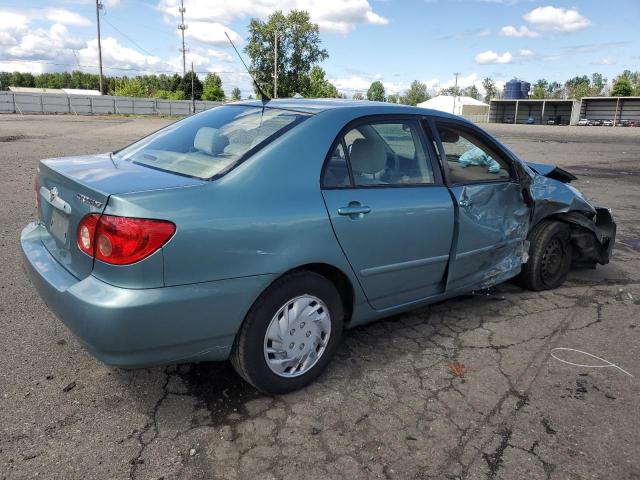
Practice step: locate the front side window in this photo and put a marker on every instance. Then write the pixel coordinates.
(212, 142)
(380, 153)
(468, 160)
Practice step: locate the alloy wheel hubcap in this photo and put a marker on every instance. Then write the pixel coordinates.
(297, 336)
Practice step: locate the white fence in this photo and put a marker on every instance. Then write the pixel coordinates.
(14, 102)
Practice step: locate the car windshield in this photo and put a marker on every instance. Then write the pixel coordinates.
(211, 143)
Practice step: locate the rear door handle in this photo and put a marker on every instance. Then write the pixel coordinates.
(465, 203)
(354, 210)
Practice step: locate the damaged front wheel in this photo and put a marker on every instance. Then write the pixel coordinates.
(549, 256)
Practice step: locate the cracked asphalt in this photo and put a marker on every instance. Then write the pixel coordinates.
(465, 389)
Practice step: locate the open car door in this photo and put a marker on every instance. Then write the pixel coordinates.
(492, 217)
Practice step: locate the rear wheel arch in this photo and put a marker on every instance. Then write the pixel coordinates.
(336, 276)
(340, 281)
(251, 348)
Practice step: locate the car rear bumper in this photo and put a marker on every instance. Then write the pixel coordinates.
(138, 327)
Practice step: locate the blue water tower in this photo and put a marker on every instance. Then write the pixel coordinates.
(516, 89)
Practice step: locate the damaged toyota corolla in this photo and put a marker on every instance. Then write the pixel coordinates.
(259, 231)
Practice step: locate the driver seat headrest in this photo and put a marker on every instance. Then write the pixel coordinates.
(210, 141)
(367, 156)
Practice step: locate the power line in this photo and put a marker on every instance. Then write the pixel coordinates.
(134, 42)
(129, 38)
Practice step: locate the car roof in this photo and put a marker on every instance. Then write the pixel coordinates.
(317, 105)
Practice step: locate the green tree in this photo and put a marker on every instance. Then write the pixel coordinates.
(236, 94)
(299, 49)
(376, 92)
(319, 86)
(555, 90)
(417, 93)
(18, 79)
(4, 80)
(393, 98)
(582, 90)
(358, 96)
(621, 88)
(598, 82)
(451, 91)
(540, 89)
(168, 95)
(577, 87)
(185, 86)
(212, 88)
(130, 87)
(634, 81)
(490, 89)
(472, 92)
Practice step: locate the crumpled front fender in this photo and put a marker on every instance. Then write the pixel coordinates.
(592, 228)
(552, 197)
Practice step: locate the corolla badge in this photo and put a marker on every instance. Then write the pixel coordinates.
(53, 194)
(89, 201)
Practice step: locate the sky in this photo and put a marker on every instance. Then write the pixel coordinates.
(394, 41)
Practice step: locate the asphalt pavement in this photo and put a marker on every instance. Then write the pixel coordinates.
(477, 387)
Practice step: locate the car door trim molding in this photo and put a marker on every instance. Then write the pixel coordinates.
(421, 262)
(477, 251)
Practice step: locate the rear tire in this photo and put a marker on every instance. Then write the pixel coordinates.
(304, 310)
(549, 256)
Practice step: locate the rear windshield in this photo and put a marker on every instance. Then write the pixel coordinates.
(210, 143)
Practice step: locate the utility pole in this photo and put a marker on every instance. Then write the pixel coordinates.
(455, 93)
(193, 98)
(275, 64)
(182, 27)
(99, 7)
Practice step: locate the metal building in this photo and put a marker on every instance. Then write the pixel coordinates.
(539, 112)
(611, 108)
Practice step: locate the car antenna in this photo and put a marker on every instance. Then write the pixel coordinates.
(264, 96)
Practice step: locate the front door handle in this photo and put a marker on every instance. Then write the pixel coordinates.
(355, 210)
(465, 203)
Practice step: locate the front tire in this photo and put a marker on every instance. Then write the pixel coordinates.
(549, 256)
(290, 333)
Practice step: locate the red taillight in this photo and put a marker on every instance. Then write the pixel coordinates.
(122, 240)
(86, 233)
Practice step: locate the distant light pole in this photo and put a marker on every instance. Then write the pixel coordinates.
(99, 7)
(182, 27)
(455, 92)
(193, 98)
(275, 64)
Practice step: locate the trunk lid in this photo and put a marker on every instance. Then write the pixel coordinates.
(72, 187)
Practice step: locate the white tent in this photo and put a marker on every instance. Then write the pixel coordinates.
(456, 105)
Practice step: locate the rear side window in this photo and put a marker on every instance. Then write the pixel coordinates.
(337, 171)
(378, 154)
(468, 159)
(211, 143)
